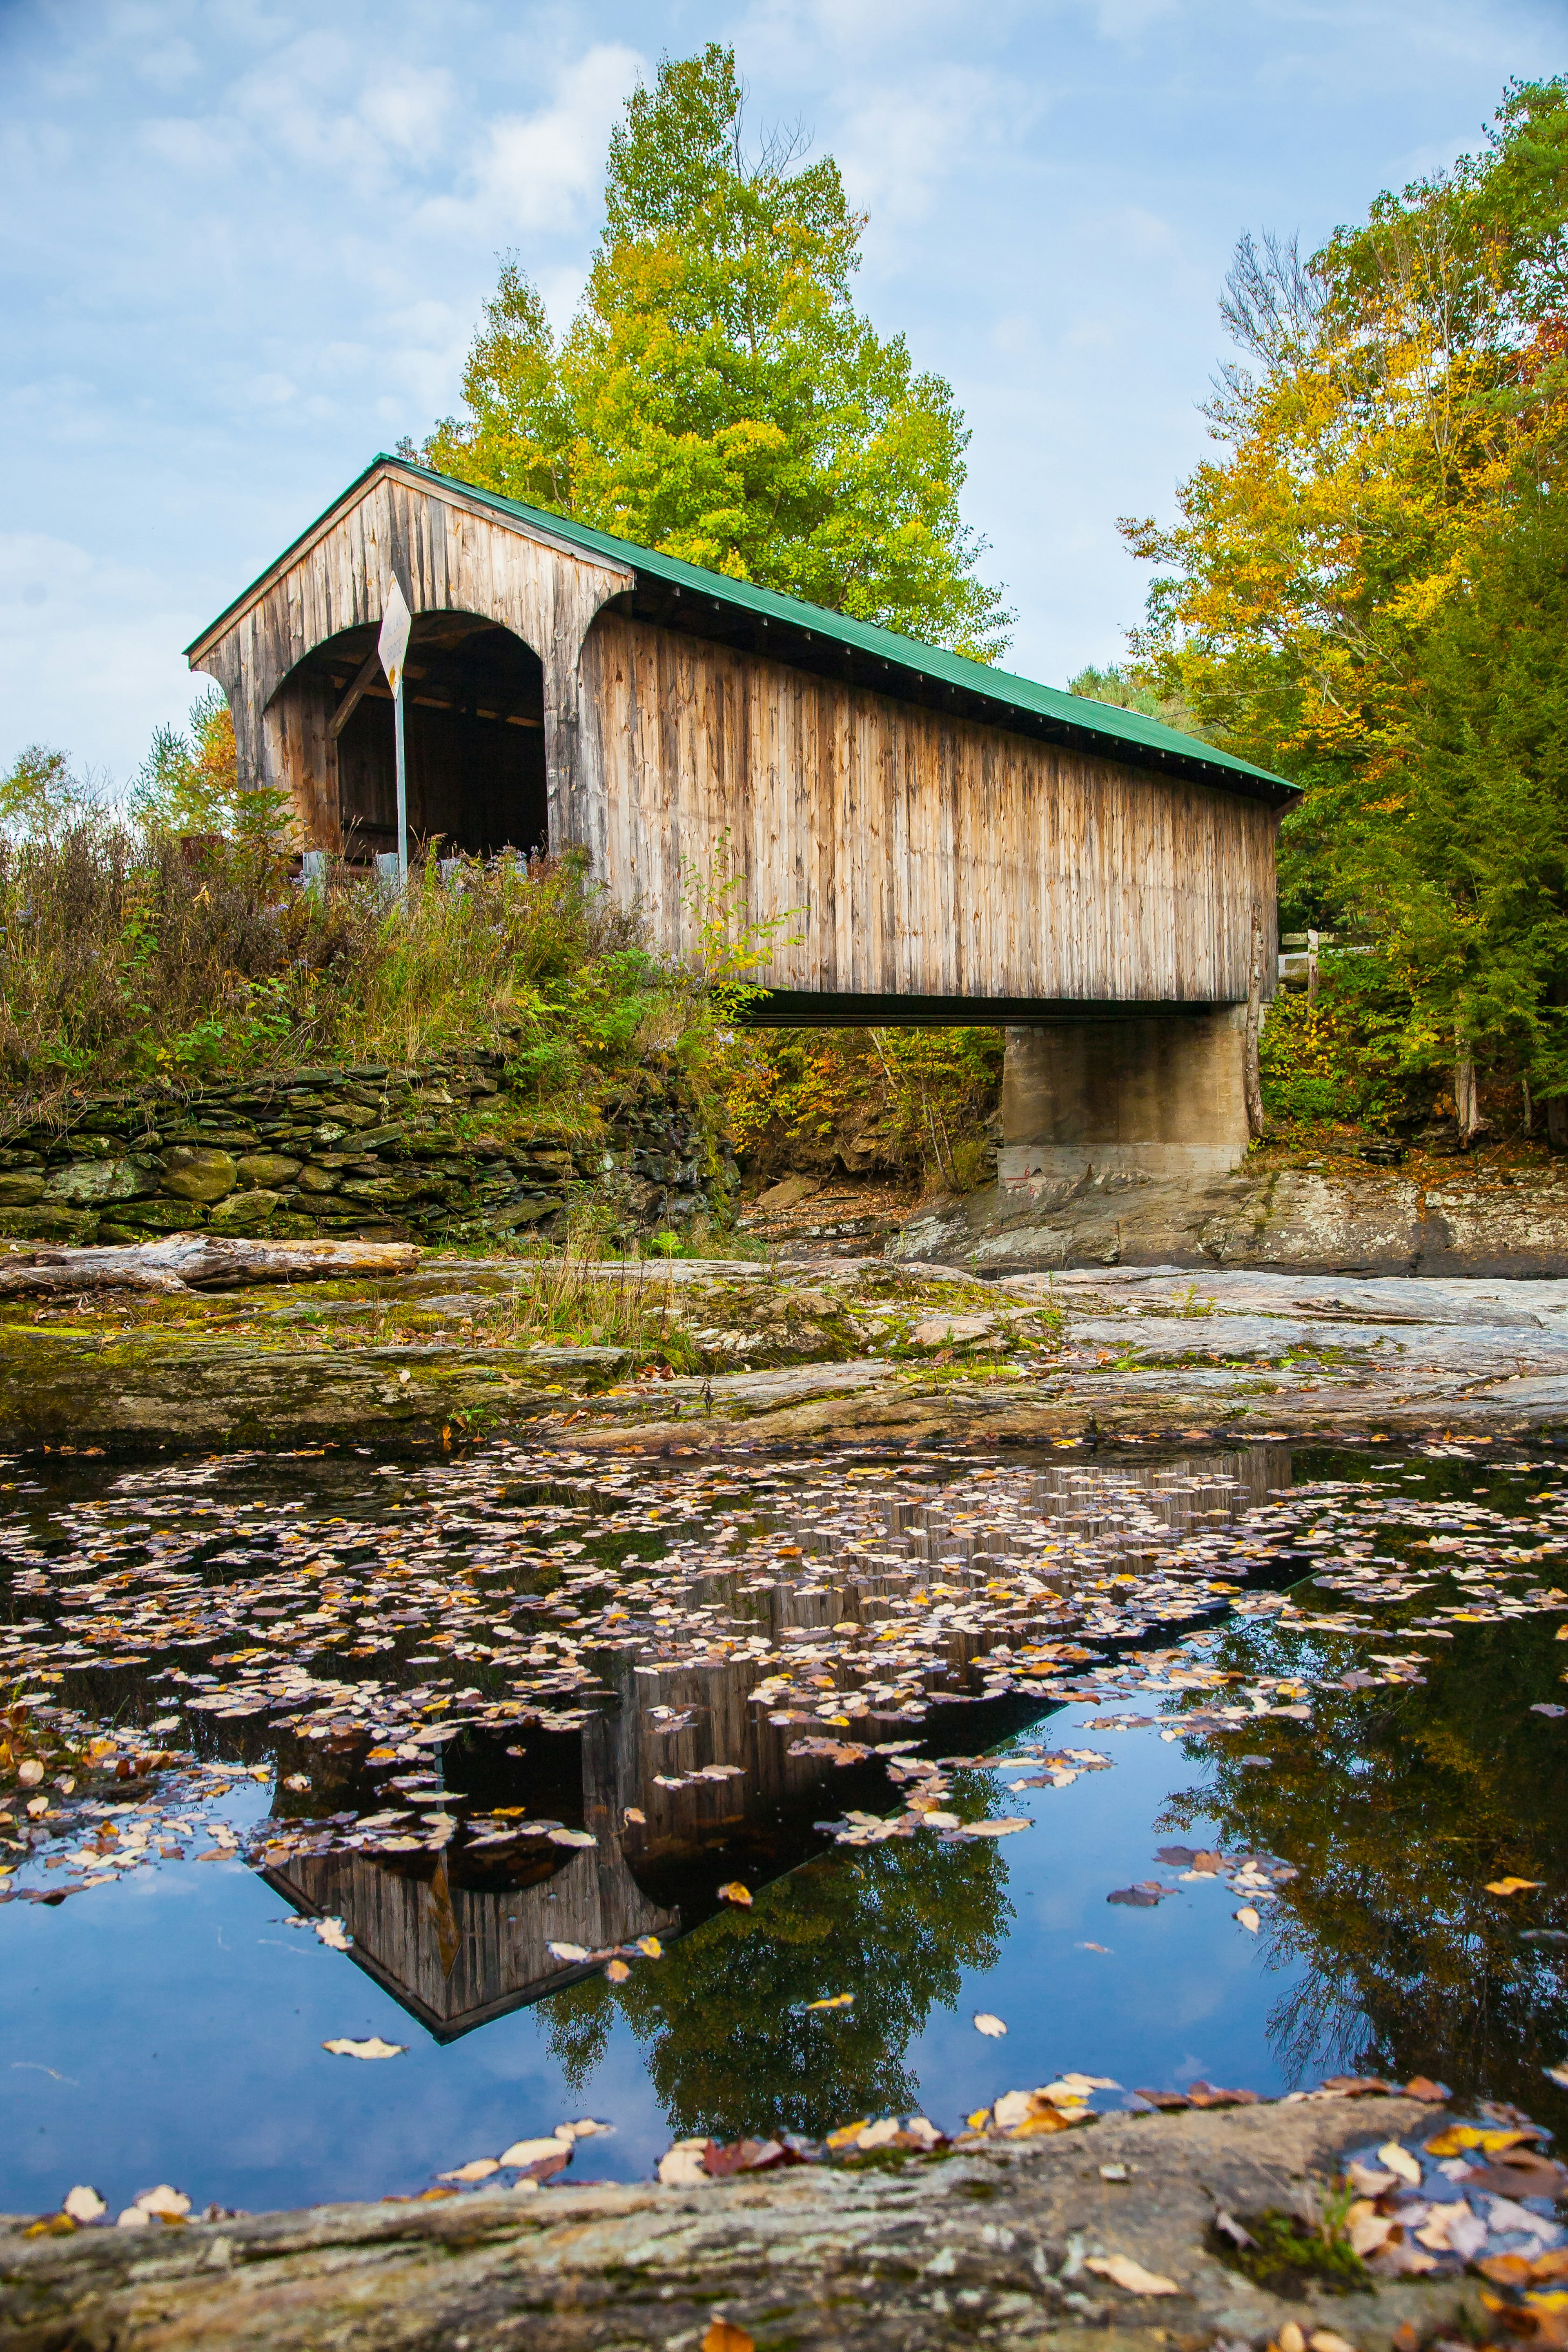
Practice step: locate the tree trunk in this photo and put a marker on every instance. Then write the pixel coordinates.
(1557, 1122)
(1466, 1114)
(194, 1262)
(1252, 1077)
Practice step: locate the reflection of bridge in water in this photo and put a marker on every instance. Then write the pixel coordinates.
(684, 1780)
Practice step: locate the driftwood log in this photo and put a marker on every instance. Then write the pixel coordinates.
(1012, 2246)
(196, 1262)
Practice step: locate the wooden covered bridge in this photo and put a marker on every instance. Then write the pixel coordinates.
(956, 844)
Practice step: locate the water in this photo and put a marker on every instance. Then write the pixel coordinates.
(167, 2024)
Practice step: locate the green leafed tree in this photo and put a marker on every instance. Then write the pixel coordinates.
(717, 395)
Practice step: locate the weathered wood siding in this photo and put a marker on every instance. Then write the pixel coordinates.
(448, 558)
(930, 857)
(927, 856)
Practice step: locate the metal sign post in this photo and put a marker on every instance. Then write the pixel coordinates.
(393, 646)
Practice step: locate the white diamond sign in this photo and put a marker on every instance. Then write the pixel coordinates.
(393, 642)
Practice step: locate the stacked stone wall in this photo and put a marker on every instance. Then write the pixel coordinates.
(449, 1152)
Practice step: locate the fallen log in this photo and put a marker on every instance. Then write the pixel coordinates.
(196, 1262)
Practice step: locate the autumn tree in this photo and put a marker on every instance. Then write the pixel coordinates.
(717, 395)
(1360, 569)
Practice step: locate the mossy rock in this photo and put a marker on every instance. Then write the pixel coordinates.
(47, 1223)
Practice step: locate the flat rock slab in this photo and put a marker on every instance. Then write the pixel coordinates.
(1370, 1221)
(990, 2246)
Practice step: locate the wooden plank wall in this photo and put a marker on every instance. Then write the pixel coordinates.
(932, 857)
(448, 558)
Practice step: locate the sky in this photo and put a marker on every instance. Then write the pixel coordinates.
(243, 245)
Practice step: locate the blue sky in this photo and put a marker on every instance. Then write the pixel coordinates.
(245, 244)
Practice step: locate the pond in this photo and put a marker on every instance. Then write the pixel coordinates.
(1181, 1769)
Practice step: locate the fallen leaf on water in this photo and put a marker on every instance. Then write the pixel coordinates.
(165, 2203)
(1400, 2160)
(1249, 1919)
(479, 2170)
(527, 2151)
(1009, 1827)
(374, 2048)
(633, 1814)
(1558, 2074)
(333, 1934)
(1511, 1885)
(571, 1837)
(83, 2204)
(618, 1971)
(567, 1951)
(985, 2023)
(650, 1947)
(1094, 1948)
(834, 2001)
(1458, 2139)
(589, 2127)
(1122, 2271)
(734, 1892)
(1323, 2339)
(298, 1781)
(723, 2335)
(681, 2166)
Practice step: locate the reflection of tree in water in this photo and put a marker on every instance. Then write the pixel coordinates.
(1398, 1806)
(732, 2050)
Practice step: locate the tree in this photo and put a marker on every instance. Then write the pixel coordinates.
(1324, 596)
(42, 793)
(717, 395)
(1127, 690)
(189, 784)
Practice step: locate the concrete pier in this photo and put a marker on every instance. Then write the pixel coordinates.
(1157, 1093)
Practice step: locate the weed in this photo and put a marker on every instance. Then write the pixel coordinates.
(1292, 2251)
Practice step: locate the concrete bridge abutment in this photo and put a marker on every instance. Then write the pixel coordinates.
(1155, 1094)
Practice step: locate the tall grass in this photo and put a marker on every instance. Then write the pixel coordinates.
(131, 955)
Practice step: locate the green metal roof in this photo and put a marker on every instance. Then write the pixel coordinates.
(1001, 689)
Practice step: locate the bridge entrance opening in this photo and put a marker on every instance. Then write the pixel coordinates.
(474, 722)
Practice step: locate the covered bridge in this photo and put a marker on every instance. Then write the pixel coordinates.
(956, 844)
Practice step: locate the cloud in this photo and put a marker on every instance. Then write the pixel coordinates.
(540, 170)
(88, 651)
(897, 150)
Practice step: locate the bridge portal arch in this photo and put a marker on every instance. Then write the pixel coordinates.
(475, 728)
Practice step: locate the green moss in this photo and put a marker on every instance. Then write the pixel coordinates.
(1289, 2254)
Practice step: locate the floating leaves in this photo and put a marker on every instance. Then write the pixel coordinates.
(83, 2204)
(373, 2048)
(734, 1892)
(833, 2000)
(1247, 1918)
(991, 2027)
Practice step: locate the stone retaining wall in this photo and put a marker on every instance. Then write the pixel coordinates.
(446, 1152)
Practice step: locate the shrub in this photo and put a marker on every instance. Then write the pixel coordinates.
(129, 952)
(907, 1102)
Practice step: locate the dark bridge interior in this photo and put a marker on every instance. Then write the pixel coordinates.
(474, 716)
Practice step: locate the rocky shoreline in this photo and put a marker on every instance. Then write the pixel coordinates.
(1021, 2242)
(805, 1352)
(1498, 1214)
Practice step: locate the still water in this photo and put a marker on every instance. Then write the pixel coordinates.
(478, 1712)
